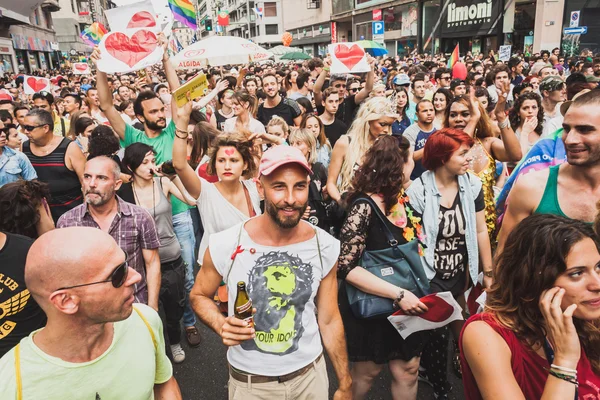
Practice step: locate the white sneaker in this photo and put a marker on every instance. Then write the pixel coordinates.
(178, 353)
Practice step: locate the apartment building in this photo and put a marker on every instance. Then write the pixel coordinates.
(73, 17)
(309, 23)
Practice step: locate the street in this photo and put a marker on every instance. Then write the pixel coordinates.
(203, 374)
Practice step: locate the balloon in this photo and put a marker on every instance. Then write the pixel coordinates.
(287, 38)
(459, 71)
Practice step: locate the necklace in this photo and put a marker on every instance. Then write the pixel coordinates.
(137, 200)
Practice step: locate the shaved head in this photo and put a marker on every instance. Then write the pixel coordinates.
(67, 257)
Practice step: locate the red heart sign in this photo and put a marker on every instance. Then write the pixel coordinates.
(438, 309)
(349, 56)
(131, 50)
(142, 19)
(81, 67)
(37, 84)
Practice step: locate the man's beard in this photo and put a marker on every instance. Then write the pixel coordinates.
(102, 198)
(287, 223)
(156, 126)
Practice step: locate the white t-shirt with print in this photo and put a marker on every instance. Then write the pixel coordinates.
(282, 283)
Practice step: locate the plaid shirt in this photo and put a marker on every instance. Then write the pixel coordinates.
(133, 229)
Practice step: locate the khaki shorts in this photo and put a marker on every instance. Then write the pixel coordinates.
(312, 385)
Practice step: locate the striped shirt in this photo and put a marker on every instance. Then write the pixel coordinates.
(133, 229)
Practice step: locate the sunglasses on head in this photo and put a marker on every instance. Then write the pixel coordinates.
(117, 278)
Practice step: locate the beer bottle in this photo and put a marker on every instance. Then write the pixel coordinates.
(243, 305)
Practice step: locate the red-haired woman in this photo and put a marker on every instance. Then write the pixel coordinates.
(457, 242)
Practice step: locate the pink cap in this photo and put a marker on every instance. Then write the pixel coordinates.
(277, 156)
(4, 95)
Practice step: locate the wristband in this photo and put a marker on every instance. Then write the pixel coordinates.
(182, 131)
(489, 274)
(399, 298)
(567, 378)
(326, 69)
(504, 124)
(564, 369)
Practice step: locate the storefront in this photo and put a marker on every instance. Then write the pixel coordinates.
(401, 27)
(473, 25)
(7, 56)
(33, 53)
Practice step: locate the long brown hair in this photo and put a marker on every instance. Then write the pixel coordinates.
(382, 171)
(533, 258)
(484, 125)
(238, 140)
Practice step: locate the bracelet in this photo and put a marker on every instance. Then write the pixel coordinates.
(567, 378)
(182, 131)
(489, 274)
(504, 124)
(398, 298)
(326, 69)
(564, 369)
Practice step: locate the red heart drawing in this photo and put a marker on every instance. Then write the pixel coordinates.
(142, 19)
(37, 84)
(81, 67)
(131, 50)
(349, 56)
(438, 309)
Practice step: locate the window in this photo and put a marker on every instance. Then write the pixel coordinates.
(271, 29)
(73, 6)
(270, 9)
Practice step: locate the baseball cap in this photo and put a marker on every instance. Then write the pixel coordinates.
(280, 155)
(5, 95)
(455, 83)
(592, 78)
(564, 107)
(401, 80)
(550, 83)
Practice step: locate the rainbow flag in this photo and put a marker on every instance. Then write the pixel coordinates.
(93, 34)
(545, 153)
(453, 57)
(183, 11)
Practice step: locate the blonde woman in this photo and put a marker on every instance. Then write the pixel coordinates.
(374, 118)
(306, 142)
(278, 127)
(314, 124)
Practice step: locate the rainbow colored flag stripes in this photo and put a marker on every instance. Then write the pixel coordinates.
(183, 11)
(93, 34)
(453, 57)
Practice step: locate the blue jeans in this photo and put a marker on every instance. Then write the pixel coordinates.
(182, 224)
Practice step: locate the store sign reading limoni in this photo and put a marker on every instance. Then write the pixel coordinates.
(469, 14)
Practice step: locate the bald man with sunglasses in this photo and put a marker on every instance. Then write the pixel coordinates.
(96, 343)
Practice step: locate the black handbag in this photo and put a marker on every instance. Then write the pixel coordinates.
(399, 265)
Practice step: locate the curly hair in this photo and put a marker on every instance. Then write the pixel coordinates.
(533, 258)
(484, 125)
(382, 171)
(19, 203)
(241, 143)
(103, 142)
(515, 118)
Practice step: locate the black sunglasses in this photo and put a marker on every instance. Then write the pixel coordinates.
(29, 128)
(352, 90)
(117, 278)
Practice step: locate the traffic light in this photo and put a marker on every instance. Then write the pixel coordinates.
(208, 25)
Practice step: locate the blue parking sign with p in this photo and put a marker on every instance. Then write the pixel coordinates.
(378, 28)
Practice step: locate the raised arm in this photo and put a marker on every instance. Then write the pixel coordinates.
(364, 92)
(170, 73)
(222, 85)
(188, 177)
(106, 100)
(509, 148)
(317, 88)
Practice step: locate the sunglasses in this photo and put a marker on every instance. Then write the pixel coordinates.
(352, 90)
(29, 128)
(117, 278)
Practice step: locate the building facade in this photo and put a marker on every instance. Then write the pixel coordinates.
(309, 23)
(433, 26)
(72, 18)
(27, 37)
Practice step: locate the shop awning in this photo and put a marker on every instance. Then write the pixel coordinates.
(19, 10)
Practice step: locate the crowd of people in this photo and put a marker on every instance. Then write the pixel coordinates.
(127, 219)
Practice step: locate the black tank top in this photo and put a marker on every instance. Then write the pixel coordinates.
(220, 120)
(65, 188)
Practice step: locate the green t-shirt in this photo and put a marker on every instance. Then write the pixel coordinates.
(163, 145)
(129, 369)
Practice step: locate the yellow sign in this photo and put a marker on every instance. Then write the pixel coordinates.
(197, 86)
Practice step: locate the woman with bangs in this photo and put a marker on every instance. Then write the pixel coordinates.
(541, 322)
(374, 118)
(225, 111)
(468, 115)
(242, 104)
(403, 121)
(378, 203)
(457, 245)
(314, 124)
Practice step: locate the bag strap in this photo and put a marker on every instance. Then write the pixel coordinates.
(319, 247)
(62, 125)
(18, 372)
(147, 326)
(251, 211)
(233, 258)
(388, 234)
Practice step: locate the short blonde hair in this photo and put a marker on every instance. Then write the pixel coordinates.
(305, 136)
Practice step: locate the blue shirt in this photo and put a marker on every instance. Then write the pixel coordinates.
(15, 165)
(398, 127)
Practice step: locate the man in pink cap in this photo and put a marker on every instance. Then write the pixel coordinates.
(289, 268)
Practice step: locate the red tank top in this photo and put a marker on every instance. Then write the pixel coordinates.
(528, 367)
